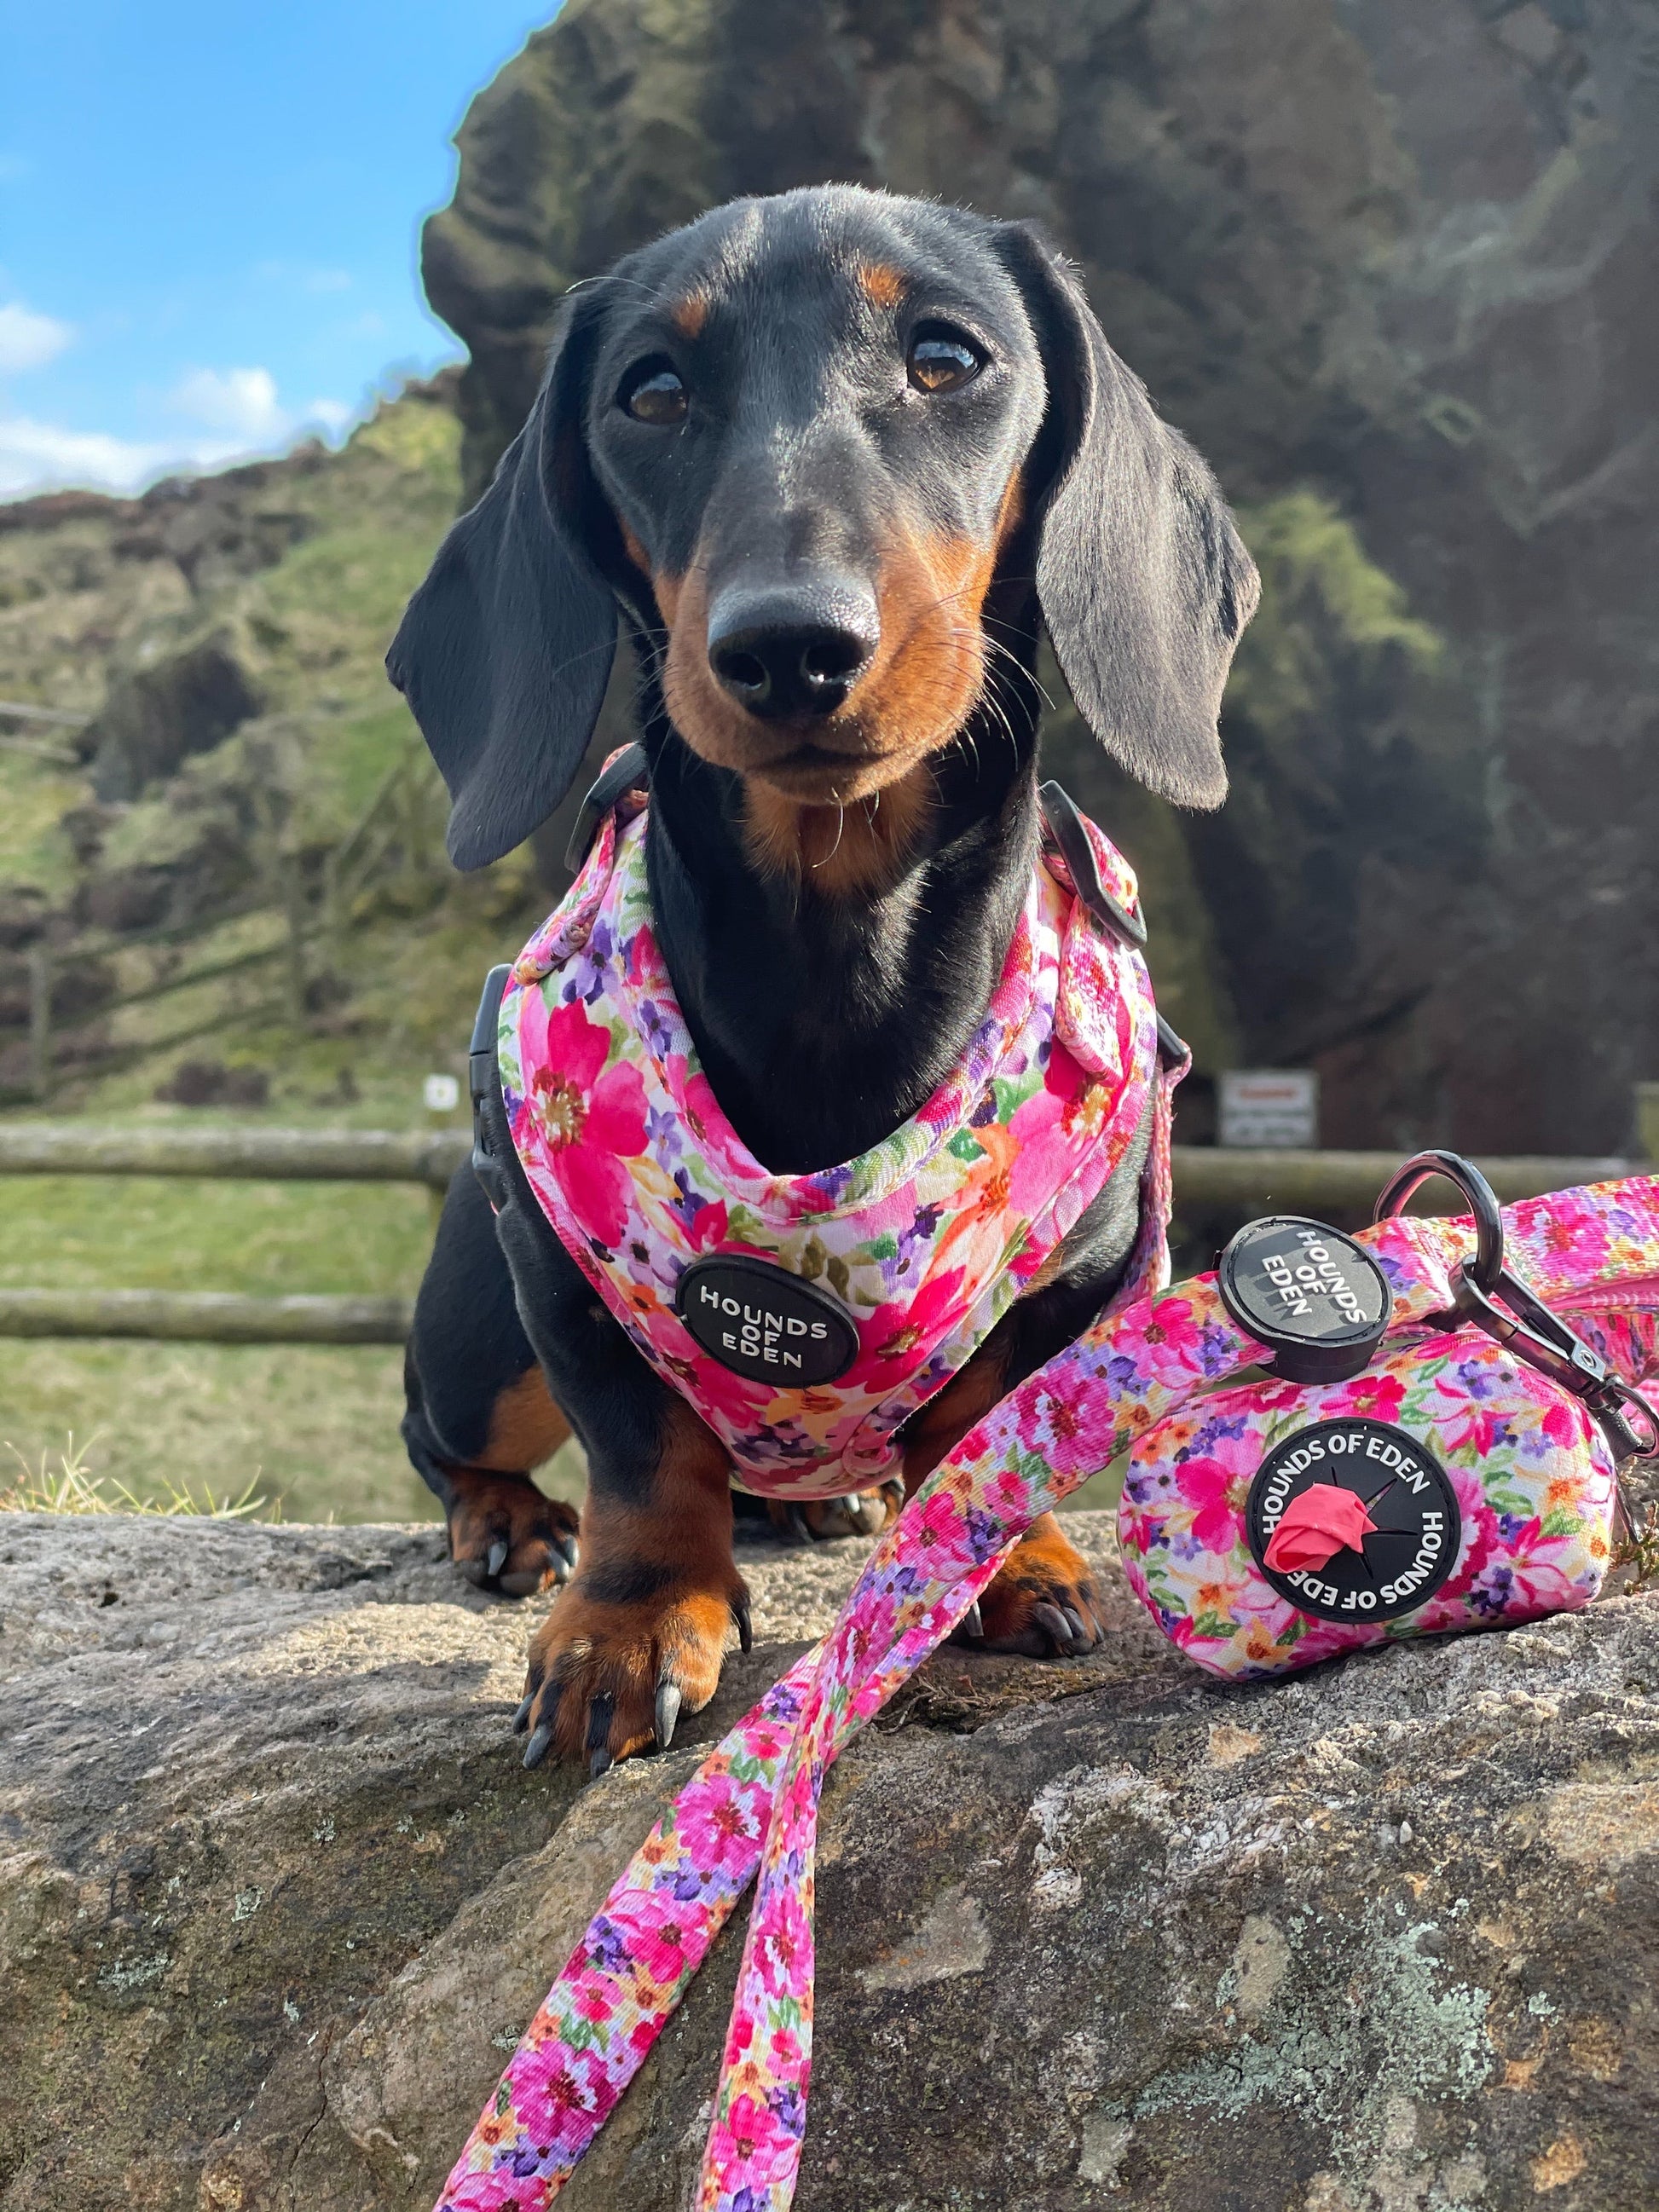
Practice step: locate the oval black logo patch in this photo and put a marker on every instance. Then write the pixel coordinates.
(1354, 1521)
(763, 1323)
(1315, 1297)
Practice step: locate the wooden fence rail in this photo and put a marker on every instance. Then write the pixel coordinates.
(1341, 1187)
(240, 1155)
(1204, 1175)
(204, 1316)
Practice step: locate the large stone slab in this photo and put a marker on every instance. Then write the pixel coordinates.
(275, 1898)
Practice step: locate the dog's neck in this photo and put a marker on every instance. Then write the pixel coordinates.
(825, 1017)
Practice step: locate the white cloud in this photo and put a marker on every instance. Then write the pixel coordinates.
(238, 412)
(241, 401)
(28, 340)
(34, 456)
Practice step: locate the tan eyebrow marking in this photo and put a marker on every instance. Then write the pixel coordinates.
(690, 315)
(881, 284)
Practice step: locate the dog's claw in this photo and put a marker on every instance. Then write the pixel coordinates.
(1074, 1620)
(668, 1713)
(521, 1718)
(496, 1560)
(535, 1750)
(972, 1623)
(1050, 1618)
(799, 1527)
(601, 1763)
(745, 1626)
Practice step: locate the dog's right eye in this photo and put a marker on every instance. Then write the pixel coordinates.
(652, 392)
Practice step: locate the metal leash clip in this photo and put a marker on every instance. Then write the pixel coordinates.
(1521, 1323)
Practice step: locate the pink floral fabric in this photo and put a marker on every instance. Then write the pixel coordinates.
(1532, 1472)
(752, 1807)
(925, 1240)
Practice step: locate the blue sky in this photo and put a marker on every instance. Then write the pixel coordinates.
(209, 218)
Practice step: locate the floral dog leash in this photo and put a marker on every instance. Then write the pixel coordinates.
(752, 1807)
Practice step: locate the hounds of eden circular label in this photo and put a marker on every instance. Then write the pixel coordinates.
(764, 1323)
(1315, 1297)
(1405, 1553)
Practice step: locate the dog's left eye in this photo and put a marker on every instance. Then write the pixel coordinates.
(942, 361)
(652, 393)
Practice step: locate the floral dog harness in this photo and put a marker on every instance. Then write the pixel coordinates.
(1530, 1486)
(805, 1316)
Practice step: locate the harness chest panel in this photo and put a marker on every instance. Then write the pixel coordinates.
(805, 1317)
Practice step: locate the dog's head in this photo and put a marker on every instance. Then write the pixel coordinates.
(814, 446)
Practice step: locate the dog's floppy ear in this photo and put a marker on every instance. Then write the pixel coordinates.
(1144, 583)
(504, 652)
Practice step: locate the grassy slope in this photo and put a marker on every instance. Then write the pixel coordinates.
(317, 1428)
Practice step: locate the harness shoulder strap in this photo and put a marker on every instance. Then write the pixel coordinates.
(1062, 820)
(628, 770)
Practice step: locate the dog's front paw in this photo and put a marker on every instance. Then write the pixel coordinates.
(504, 1534)
(610, 1674)
(820, 1520)
(1043, 1604)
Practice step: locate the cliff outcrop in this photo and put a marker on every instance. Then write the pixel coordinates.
(1389, 263)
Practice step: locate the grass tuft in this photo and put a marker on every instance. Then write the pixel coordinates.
(70, 1486)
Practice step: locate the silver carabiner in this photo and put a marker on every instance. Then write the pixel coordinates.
(1522, 1322)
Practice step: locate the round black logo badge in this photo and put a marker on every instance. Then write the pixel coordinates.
(1317, 1298)
(1354, 1521)
(763, 1323)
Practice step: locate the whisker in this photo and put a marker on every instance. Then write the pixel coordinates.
(841, 824)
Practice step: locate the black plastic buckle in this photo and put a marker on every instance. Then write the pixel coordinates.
(483, 1083)
(1066, 828)
(630, 768)
(1489, 1293)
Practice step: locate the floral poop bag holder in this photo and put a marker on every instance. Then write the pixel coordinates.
(1436, 1447)
(1405, 1471)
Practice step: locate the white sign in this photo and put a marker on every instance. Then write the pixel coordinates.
(440, 1094)
(1269, 1109)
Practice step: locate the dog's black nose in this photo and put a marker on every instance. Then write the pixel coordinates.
(792, 653)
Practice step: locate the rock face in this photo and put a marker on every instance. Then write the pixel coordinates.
(1389, 263)
(275, 1898)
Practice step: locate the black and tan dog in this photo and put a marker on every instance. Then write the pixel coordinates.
(836, 458)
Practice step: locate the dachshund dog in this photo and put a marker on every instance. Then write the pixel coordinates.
(835, 458)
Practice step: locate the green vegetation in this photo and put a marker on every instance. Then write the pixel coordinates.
(298, 570)
(143, 1232)
(310, 1431)
(70, 1486)
(1321, 597)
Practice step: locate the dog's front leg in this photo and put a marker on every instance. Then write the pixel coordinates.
(639, 1633)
